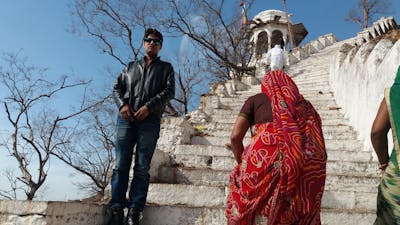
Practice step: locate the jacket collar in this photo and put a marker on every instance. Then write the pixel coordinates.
(143, 60)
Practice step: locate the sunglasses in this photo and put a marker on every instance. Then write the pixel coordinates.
(155, 41)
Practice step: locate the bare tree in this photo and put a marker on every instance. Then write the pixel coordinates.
(115, 25)
(37, 128)
(90, 152)
(191, 80)
(216, 29)
(14, 185)
(366, 11)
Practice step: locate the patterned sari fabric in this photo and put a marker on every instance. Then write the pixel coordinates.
(282, 174)
(388, 208)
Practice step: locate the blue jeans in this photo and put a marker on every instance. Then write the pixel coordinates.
(144, 134)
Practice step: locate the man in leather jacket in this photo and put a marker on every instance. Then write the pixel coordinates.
(141, 92)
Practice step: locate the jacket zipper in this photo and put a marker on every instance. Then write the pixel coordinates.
(144, 71)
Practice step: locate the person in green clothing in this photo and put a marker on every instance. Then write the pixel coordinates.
(388, 117)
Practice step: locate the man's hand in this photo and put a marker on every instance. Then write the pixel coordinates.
(142, 113)
(126, 112)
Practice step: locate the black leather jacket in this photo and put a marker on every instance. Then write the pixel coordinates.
(152, 85)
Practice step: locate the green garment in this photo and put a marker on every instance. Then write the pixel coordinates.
(388, 202)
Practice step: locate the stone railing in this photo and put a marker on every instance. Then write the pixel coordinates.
(380, 27)
(358, 75)
(312, 47)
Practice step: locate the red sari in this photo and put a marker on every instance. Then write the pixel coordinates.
(282, 174)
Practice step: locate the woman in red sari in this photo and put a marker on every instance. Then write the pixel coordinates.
(280, 175)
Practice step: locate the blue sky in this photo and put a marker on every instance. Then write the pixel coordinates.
(39, 29)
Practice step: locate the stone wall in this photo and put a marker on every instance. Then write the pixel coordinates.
(359, 75)
(57, 213)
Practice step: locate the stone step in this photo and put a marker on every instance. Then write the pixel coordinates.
(306, 69)
(306, 82)
(328, 121)
(318, 94)
(328, 135)
(183, 215)
(347, 217)
(221, 141)
(342, 217)
(312, 88)
(310, 96)
(305, 63)
(187, 195)
(303, 78)
(333, 154)
(218, 127)
(318, 107)
(211, 196)
(226, 113)
(313, 92)
(220, 117)
(210, 177)
(310, 76)
(307, 73)
(304, 72)
(367, 168)
(307, 88)
(233, 102)
(236, 100)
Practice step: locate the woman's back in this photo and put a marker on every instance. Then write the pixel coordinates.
(257, 109)
(281, 172)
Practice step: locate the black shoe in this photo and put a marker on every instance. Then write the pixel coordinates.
(133, 217)
(117, 216)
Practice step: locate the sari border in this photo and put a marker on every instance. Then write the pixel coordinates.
(394, 132)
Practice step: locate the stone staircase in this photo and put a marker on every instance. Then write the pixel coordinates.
(199, 172)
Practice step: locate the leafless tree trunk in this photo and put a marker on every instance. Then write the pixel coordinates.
(369, 9)
(365, 14)
(216, 33)
(37, 127)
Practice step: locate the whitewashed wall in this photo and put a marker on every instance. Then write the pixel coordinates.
(359, 77)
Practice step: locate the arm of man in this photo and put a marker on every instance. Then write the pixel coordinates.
(121, 96)
(379, 131)
(237, 136)
(119, 90)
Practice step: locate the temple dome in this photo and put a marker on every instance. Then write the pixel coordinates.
(270, 15)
